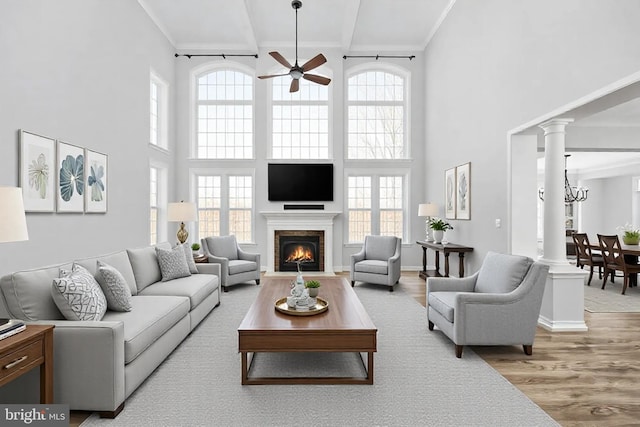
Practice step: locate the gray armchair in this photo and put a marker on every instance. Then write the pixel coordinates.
(378, 262)
(236, 266)
(498, 305)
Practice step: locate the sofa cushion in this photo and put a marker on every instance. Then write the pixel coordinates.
(443, 303)
(115, 287)
(224, 247)
(502, 273)
(118, 260)
(144, 263)
(173, 264)
(188, 254)
(239, 266)
(196, 287)
(78, 295)
(372, 266)
(380, 247)
(149, 319)
(28, 294)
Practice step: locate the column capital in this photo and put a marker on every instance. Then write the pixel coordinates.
(555, 125)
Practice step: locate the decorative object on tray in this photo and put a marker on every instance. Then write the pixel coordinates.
(320, 306)
(630, 234)
(196, 249)
(439, 226)
(312, 287)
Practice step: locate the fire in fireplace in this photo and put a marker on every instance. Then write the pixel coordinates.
(303, 247)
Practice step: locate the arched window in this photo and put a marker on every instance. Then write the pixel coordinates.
(377, 115)
(224, 118)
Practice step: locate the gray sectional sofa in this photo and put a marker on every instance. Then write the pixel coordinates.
(98, 364)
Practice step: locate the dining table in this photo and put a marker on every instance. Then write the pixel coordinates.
(631, 255)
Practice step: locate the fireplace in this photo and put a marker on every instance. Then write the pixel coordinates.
(299, 246)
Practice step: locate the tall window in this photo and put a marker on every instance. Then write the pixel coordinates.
(300, 120)
(153, 205)
(225, 206)
(376, 116)
(376, 205)
(224, 115)
(158, 112)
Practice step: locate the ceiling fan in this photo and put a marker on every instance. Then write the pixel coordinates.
(296, 71)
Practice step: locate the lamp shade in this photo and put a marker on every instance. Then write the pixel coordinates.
(182, 212)
(13, 222)
(427, 209)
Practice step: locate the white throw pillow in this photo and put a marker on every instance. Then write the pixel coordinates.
(78, 296)
(173, 263)
(115, 287)
(188, 254)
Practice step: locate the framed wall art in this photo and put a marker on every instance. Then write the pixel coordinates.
(37, 172)
(463, 191)
(71, 178)
(96, 188)
(450, 193)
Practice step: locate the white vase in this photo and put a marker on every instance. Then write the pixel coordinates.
(438, 235)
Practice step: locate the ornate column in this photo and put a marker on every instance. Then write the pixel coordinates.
(563, 301)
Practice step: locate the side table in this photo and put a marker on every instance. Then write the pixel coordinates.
(446, 249)
(201, 259)
(24, 351)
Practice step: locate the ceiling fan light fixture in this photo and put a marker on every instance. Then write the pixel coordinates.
(296, 74)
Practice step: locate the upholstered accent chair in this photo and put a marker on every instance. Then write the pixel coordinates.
(236, 265)
(498, 305)
(378, 262)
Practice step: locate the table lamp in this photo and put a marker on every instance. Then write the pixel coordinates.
(428, 210)
(181, 212)
(13, 222)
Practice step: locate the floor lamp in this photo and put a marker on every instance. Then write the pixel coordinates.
(13, 222)
(182, 212)
(427, 210)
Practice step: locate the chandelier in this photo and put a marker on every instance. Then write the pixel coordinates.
(571, 193)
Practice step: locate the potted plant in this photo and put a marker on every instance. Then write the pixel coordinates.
(439, 226)
(312, 287)
(630, 234)
(195, 248)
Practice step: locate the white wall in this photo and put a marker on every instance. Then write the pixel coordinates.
(610, 205)
(78, 70)
(497, 64)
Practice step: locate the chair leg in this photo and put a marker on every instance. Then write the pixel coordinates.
(528, 349)
(431, 325)
(391, 288)
(224, 288)
(626, 283)
(459, 351)
(599, 272)
(590, 276)
(258, 282)
(606, 277)
(353, 282)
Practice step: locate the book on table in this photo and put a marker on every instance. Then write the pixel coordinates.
(9, 327)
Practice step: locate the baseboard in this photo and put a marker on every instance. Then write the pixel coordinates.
(562, 326)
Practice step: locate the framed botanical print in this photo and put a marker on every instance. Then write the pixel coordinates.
(71, 178)
(463, 191)
(450, 193)
(37, 172)
(96, 188)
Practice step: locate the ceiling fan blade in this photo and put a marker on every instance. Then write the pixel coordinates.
(314, 62)
(280, 59)
(295, 84)
(273, 75)
(317, 79)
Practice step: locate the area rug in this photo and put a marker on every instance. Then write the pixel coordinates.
(418, 380)
(610, 299)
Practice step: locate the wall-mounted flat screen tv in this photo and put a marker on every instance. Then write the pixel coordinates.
(300, 182)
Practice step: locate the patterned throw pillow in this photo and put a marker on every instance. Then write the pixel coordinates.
(173, 263)
(188, 254)
(115, 288)
(78, 296)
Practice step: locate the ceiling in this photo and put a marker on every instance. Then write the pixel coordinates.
(248, 25)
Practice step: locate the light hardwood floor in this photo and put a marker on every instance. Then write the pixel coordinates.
(580, 379)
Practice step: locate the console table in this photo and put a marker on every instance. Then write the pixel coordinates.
(447, 249)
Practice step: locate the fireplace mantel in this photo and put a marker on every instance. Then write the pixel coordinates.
(300, 220)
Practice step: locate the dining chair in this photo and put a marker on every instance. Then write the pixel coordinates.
(614, 260)
(585, 256)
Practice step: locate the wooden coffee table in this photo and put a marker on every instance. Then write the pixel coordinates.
(344, 327)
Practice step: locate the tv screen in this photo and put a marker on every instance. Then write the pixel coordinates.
(300, 182)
